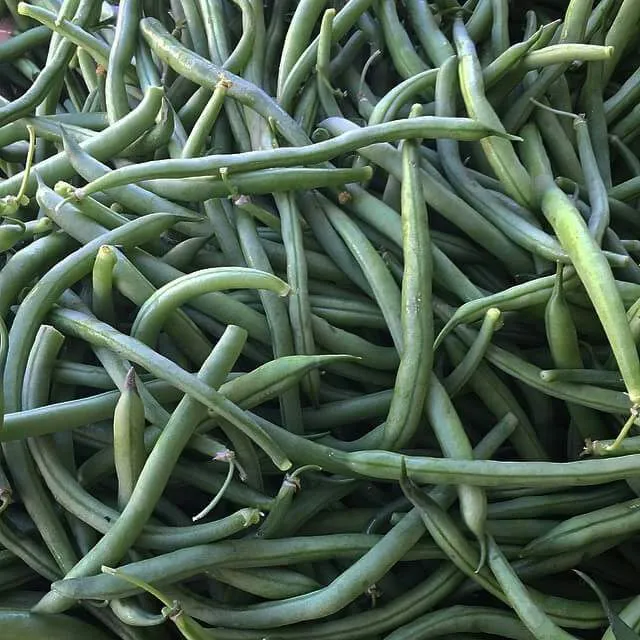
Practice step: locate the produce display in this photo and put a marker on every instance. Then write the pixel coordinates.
(320, 320)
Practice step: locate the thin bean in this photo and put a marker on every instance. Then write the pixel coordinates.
(608, 522)
(533, 617)
(415, 345)
(351, 138)
(499, 151)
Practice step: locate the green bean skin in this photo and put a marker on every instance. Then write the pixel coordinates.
(128, 439)
(59, 627)
(155, 310)
(235, 237)
(37, 304)
(108, 144)
(412, 379)
(521, 601)
(565, 352)
(499, 152)
(352, 138)
(594, 272)
(149, 484)
(383, 465)
(608, 522)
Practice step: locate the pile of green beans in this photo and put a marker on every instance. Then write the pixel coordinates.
(320, 320)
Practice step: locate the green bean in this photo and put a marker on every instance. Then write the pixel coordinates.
(344, 412)
(153, 313)
(120, 55)
(255, 183)
(386, 108)
(196, 141)
(35, 307)
(527, 235)
(352, 138)
(317, 214)
(276, 316)
(565, 353)
(433, 41)
(132, 284)
(240, 57)
(517, 297)
(385, 290)
(344, 20)
(155, 472)
(72, 414)
(460, 619)
(21, 43)
(277, 517)
(299, 305)
(608, 522)
(271, 584)
(559, 145)
(626, 127)
(326, 93)
(133, 197)
(533, 617)
(403, 54)
(59, 59)
(499, 399)
(385, 465)
(102, 282)
(623, 98)
(103, 335)
(393, 544)
(341, 341)
(20, 463)
(584, 376)
(236, 554)
(30, 552)
(592, 267)
(407, 606)
(618, 35)
(128, 439)
(415, 343)
(457, 379)
(558, 503)
(628, 615)
(447, 536)
(183, 254)
(499, 151)
(169, 539)
(500, 27)
(59, 627)
(297, 37)
(599, 218)
(104, 145)
(455, 444)
(315, 501)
